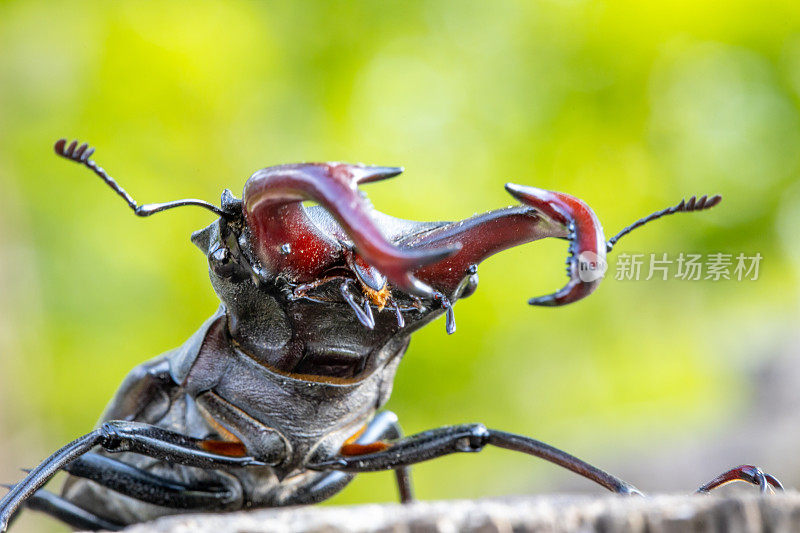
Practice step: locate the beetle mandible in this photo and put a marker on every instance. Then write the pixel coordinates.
(275, 399)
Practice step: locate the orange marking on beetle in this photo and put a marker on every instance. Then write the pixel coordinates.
(352, 438)
(224, 433)
(221, 447)
(363, 449)
(379, 298)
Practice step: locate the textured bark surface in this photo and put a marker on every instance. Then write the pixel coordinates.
(537, 513)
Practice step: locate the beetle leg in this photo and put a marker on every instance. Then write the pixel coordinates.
(152, 441)
(42, 474)
(118, 436)
(747, 473)
(301, 290)
(466, 438)
(386, 426)
(147, 487)
(69, 513)
(398, 314)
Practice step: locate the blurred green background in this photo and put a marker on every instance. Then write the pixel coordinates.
(628, 105)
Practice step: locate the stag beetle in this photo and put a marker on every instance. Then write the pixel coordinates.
(274, 400)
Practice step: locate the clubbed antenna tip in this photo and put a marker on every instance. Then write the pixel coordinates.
(693, 204)
(81, 154)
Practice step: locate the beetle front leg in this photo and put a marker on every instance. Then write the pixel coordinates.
(151, 488)
(466, 438)
(67, 512)
(385, 426)
(118, 436)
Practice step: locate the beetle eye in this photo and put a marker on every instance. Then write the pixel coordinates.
(220, 262)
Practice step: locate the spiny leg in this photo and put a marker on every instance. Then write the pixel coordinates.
(405, 486)
(40, 475)
(69, 513)
(385, 425)
(148, 487)
(118, 436)
(466, 438)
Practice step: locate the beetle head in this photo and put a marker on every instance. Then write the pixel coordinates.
(336, 288)
(325, 289)
(298, 292)
(307, 289)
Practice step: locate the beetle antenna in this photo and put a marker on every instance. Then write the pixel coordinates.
(694, 204)
(81, 154)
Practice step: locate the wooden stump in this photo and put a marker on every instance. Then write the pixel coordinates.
(552, 514)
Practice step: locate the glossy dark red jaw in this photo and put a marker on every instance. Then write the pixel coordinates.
(423, 259)
(586, 264)
(428, 260)
(286, 241)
